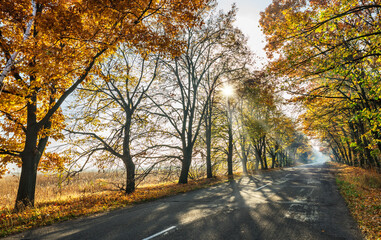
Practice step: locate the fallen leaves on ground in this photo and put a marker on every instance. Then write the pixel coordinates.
(46, 213)
(362, 191)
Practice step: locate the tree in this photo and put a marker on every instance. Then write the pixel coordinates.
(206, 60)
(229, 116)
(243, 141)
(282, 127)
(313, 37)
(66, 40)
(329, 52)
(114, 100)
(260, 95)
(257, 99)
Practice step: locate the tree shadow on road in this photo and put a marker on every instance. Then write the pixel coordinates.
(245, 208)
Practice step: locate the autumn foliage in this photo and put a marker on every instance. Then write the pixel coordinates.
(328, 57)
(49, 48)
(361, 190)
(49, 211)
(328, 54)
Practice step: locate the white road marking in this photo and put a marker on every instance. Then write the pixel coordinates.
(261, 187)
(159, 233)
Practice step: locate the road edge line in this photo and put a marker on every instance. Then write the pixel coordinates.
(262, 187)
(160, 233)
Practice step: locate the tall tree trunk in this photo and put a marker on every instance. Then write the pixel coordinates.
(351, 162)
(30, 158)
(208, 136)
(244, 164)
(209, 172)
(356, 155)
(273, 160)
(359, 143)
(127, 158)
(258, 157)
(27, 184)
(281, 159)
(369, 158)
(244, 154)
(230, 143)
(130, 170)
(185, 165)
(274, 155)
(264, 153)
(230, 151)
(256, 163)
(286, 161)
(244, 160)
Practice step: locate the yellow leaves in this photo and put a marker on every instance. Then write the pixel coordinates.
(361, 189)
(3, 170)
(53, 162)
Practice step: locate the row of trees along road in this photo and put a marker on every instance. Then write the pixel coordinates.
(147, 110)
(145, 78)
(49, 48)
(328, 52)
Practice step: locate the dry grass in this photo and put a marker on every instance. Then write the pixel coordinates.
(84, 195)
(49, 189)
(362, 191)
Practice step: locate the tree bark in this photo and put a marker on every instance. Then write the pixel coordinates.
(273, 156)
(244, 154)
(244, 163)
(208, 136)
(258, 156)
(230, 151)
(230, 143)
(127, 158)
(130, 170)
(264, 153)
(27, 185)
(34, 147)
(30, 158)
(185, 165)
(256, 161)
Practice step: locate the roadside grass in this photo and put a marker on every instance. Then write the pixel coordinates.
(49, 188)
(361, 190)
(65, 206)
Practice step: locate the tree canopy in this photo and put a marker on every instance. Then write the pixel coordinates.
(328, 53)
(49, 48)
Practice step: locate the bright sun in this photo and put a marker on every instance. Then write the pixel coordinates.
(227, 91)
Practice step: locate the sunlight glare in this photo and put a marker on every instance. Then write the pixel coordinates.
(227, 91)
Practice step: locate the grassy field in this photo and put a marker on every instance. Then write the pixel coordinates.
(362, 192)
(86, 183)
(83, 195)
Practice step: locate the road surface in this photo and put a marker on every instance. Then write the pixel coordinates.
(293, 203)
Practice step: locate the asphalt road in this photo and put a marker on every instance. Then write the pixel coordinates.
(293, 203)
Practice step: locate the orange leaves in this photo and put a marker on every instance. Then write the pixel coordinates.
(361, 189)
(67, 37)
(53, 161)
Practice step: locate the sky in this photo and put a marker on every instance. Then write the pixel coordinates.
(248, 21)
